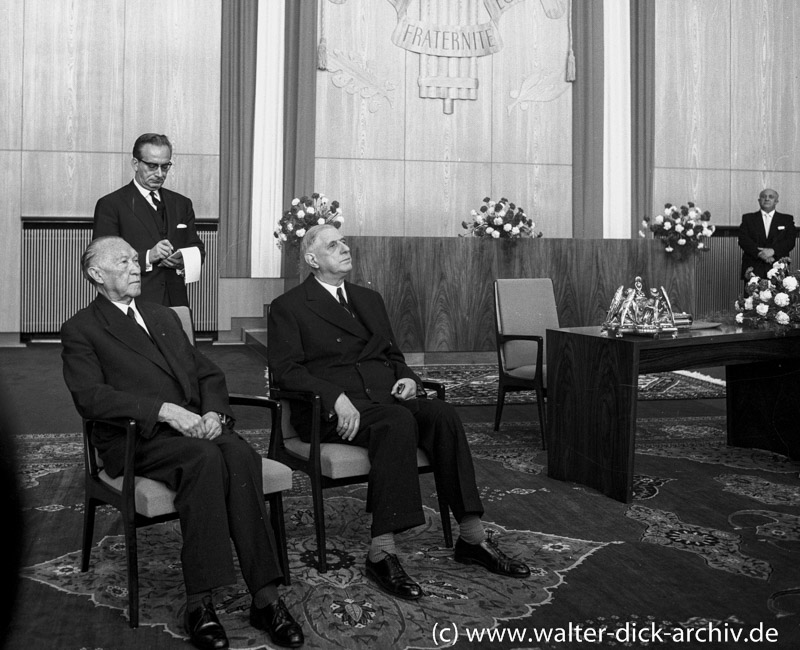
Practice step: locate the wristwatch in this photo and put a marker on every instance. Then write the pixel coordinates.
(223, 419)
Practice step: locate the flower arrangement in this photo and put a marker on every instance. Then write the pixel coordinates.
(773, 301)
(305, 212)
(499, 220)
(684, 229)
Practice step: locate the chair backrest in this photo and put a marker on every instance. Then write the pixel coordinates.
(524, 306)
(185, 314)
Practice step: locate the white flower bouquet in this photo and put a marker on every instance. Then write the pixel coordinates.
(684, 230)
(771, 302)
(305, 212)
(499, 220)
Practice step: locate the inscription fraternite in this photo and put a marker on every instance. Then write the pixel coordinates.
(449, 37)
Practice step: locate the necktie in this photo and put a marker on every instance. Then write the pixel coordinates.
(342, 301)
(162, 223)
(132, 316)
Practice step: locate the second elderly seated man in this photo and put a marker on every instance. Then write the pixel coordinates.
(129, 359)
(334, 338)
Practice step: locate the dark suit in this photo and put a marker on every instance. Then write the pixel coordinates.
(781, 238)
(114, 370)
(314, 344)
(126, 213)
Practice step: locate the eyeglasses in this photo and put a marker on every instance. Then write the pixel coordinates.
(153, 166)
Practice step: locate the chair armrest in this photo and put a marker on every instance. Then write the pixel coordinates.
(128, 425)
(316, 415)
(435, 386)
(505, 338)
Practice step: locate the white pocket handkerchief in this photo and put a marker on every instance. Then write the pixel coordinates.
(779, 227)
(182, 225)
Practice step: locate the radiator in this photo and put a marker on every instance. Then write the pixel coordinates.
(53, 288)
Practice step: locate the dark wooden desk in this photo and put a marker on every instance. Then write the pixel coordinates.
(592, 388)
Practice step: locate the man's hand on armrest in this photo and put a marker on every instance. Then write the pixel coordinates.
(188, 423)
(349, 419)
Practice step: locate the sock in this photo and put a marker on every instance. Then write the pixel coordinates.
(380, 546)
(266, 595)
(194, 601)
(471, 530)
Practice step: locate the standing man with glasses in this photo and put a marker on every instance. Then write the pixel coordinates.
(158, 223)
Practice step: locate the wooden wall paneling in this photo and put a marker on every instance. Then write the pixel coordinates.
(197, 176)
(73, 93)
(440, 195)
(531, 98)
(172, 73)
(66, 184)
(11, 33)
(544, 191)
(708, 188)
(459, 308)
(746, 186)
(398, 268)
(765, 111)
(371, 193)
(693, 94)
(10, 242)
(438, 291)
(361, 96)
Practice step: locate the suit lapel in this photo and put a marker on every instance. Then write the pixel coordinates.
(143, 212)
(326, 307)
(129, 333)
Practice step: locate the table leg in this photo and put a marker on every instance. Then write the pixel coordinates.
(592, 387)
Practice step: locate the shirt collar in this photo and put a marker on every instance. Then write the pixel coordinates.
(768, 214)
(331, 289)
(145, 192)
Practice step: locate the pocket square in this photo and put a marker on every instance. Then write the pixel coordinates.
(779, 227)
(183, 225)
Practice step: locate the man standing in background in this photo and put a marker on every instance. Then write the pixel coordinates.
(158, 223)
(765, 236)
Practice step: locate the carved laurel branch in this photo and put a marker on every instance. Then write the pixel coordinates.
(539, 86)
(351, 73)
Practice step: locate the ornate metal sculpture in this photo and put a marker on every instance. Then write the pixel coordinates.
(636, 312)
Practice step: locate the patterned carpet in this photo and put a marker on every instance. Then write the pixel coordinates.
(721, 526)
(477, 384)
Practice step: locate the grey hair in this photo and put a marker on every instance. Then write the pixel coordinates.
(94, 251)
(310, 238)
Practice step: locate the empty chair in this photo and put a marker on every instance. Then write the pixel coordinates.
(524, 310)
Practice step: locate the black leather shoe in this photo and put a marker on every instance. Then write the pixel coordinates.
(488, 555)
(390, 576)
(275, 620)
(204, 629)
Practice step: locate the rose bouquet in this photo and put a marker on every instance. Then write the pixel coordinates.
(773, 301)
(684, 229)
(499, 220)
(305, 212)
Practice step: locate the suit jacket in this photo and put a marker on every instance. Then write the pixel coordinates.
(315, 345)
(126, 213)
(781, 238)
(113, 370)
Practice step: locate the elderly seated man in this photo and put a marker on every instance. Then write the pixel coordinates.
(129, 359)
(334, 338)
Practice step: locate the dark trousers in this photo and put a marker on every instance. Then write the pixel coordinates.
(391, 434)
(219, 497)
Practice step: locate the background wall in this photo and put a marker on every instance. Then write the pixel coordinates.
(80, 80)
(399, 165)
(727, 104)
